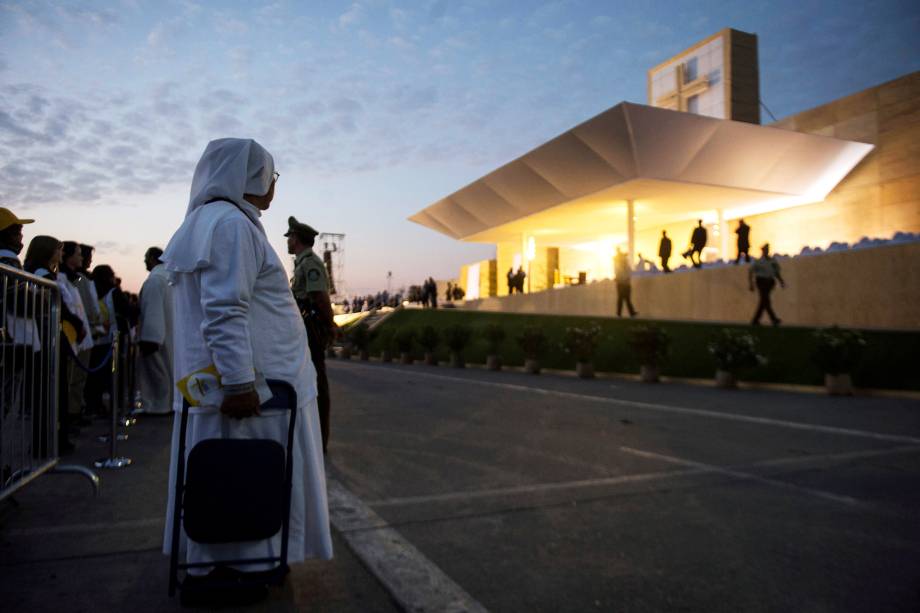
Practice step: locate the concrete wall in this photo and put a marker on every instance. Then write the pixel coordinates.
(866, 288)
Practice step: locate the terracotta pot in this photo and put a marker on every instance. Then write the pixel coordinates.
(840, 384)
(386, 356)
(493, 362)
(648, 373)
(405, 357)
(584, 370)
(430, 359)
(532, 366)
(364, 355)
(725, 379)
(456, 360)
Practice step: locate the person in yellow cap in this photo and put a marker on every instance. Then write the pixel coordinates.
(11, 237)
(310, 286)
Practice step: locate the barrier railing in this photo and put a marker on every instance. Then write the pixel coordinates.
(118, 419)
(30, 357)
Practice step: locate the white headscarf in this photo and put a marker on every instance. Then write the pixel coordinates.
(228, 168)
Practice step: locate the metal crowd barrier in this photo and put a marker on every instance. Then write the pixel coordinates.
(30, 351)
(120, 355)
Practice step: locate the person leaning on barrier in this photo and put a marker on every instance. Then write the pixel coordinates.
(236, 323)
(71, 279)
(19, 336)
(311, 291)
(43, 259)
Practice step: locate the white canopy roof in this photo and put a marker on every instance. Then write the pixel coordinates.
(673, 165)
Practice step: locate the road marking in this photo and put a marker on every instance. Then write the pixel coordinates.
(534, 488)
(413, 580)
(131, 524)
(745, 475)
(665, 408)
(700, 469)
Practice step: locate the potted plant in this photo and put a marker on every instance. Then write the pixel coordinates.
(359, 337)
(345, 352)
(457, 337)
(650, 344)
(733, 351)
(494, 335)
(384, 338)
(837, 352)
(533, 342)
(581, 343)
(428, 339)
(405, 340)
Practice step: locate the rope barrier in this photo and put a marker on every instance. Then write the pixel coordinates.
(85, 368)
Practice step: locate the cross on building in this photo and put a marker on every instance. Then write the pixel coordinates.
(686, 86)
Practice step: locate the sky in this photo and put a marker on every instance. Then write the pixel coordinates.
(372, 109)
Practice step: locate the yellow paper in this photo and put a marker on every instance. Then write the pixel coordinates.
(201, 383)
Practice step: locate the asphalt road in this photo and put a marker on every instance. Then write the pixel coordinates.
(551, 493)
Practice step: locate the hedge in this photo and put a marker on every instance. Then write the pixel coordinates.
(890, 360)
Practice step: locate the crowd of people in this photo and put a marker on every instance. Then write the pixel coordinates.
(94, 310)
(370, 302)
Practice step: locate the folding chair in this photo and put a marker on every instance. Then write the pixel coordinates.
(233, 491)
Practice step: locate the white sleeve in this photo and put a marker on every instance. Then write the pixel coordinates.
(153, 314)
(226, 290)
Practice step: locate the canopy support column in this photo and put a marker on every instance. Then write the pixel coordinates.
(723, 236)
(631, 232)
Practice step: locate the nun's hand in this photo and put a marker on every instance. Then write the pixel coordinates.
(240, 406)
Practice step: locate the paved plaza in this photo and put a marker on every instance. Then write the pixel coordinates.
(556, 494)
(471, 490)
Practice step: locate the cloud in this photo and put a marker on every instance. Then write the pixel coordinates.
(353, 15)
(230, 25)
(601, 21)
(400, 43)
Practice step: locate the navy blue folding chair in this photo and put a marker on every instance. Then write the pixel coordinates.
(234, 491)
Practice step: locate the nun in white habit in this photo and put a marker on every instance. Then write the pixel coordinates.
(233, 310)
(154, 363)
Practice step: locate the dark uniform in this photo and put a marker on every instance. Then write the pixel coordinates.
(310, 276)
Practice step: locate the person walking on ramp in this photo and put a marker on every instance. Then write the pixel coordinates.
(765, 273)
(744, 241)
(697, 244)
(664, 251)
(624, 283)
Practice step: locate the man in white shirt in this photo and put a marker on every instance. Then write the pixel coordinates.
(154, 364)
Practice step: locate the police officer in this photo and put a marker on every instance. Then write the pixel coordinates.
(310, 286)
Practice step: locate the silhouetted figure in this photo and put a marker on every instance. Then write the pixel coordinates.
(433, 292)
(519, 277)
(664, 251)
(744, 241)
(624, 286)
(458, 292)
(448, 295)
(765, 273)
(510, 277)
(697, 243)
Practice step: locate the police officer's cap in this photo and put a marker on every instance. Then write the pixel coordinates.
(300, 229)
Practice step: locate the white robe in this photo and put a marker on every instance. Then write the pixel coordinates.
(154, 372)
(238, 313)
